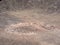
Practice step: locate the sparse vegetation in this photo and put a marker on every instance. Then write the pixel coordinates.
(46, 5)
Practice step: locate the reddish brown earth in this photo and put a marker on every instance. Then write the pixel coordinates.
(28, 27)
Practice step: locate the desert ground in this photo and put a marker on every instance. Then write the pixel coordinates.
(29, 27)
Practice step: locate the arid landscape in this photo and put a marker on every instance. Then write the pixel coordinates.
(29, 22)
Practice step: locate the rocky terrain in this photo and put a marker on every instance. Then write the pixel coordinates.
(29, 22)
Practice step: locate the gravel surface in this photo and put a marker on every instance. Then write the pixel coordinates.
(26, 24)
